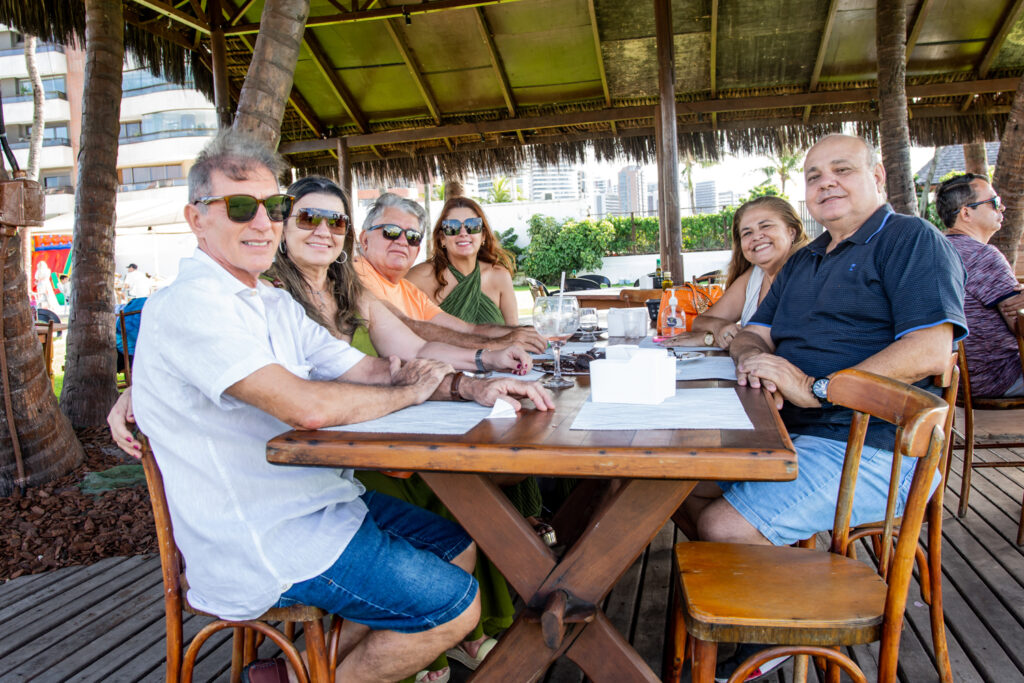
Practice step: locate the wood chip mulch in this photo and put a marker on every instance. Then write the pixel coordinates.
(56, 525)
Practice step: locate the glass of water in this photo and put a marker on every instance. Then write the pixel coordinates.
(588, 324)
(556, 319)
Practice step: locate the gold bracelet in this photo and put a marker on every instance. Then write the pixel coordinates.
(456, 381)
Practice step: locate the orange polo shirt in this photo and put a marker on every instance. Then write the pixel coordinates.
(405, 296)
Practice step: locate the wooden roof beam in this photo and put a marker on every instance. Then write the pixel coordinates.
(343, 94)
(395, 12)
(414, 70)
(175, 14)
(648, 111)
(819, 62)
(240, 12)
(996, 44)
(600, 58)
(496, 62)
(170, 34)
(915, 28)
(713, 61)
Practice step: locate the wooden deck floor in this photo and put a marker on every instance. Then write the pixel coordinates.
(105, 622)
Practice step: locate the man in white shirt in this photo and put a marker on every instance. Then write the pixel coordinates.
(136, 284)
(223, 363)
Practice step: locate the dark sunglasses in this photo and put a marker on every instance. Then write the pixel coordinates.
(997, 203)
(451, 226)
(393, 232)
(308, 219)
(242, 208)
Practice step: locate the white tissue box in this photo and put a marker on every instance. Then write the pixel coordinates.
(628, 322)
(629, 374)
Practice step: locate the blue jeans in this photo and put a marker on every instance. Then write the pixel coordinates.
(396, 572)
(789, 511)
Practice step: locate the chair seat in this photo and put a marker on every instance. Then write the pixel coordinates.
(750, 594)
(297, 613)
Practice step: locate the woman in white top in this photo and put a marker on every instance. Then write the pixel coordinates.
(765, 231)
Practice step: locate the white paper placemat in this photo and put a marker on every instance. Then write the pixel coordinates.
(689, 409)
(714, 367)
(432, 417)
(648, 343)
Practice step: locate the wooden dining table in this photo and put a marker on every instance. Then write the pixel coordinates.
(632, 481)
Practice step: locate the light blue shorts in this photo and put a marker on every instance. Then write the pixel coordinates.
(789, 511)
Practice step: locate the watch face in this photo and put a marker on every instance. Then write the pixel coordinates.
(820, 388)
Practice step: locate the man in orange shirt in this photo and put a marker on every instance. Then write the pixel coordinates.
(388, 245)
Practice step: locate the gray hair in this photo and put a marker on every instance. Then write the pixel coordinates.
(389, 200)
(234, 154)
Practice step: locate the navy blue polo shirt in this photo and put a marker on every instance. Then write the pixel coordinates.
(830, 311)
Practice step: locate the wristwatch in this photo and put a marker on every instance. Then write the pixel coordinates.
(709, 339)
(820, 389)
(479, 361)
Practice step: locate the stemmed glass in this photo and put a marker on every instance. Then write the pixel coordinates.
(556, 319)
(588, 324)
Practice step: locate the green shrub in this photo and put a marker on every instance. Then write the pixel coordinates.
(573, 245)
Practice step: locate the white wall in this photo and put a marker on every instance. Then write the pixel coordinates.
(619, 268)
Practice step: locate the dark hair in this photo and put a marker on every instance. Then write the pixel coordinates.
(786, 212)
(133, 266)
(491, 250)
(341, 277)
(953, 194)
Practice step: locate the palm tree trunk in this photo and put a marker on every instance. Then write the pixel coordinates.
(41, 446)
(975, 157)
(90, 385)
(38, 103)
(268, 82)
(891, 43)
(1009, 180)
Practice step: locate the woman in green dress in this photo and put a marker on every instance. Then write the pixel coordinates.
(314, 265)
(469, 275)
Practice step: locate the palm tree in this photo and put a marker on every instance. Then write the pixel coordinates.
(891, 44)
(499, 191)
(268, 82)
(89, 385)
(785, 161)
(38, 103)
(1009, 179)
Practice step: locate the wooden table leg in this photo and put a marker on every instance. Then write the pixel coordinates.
(605, 655)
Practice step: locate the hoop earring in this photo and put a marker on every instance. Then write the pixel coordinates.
(281, 248)
(342, 257)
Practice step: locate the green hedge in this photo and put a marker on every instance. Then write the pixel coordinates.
(699, 233)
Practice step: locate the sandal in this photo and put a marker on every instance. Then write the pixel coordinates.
(421, 677)
(463, 657)
(265, 671)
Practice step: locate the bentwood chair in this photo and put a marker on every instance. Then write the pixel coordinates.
(44, 330)
(810, 602)
(972, 403)
(537, 288)
(248, 634)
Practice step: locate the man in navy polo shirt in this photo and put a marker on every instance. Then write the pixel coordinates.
(878, 291)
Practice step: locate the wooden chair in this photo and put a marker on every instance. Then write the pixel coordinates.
(44, 330)
(598, 280)
(537, 288)
(712, 277)
(809, 601)
(121, 316)
(929, 564)
(972, 403)
(638, 297)
(180, 661)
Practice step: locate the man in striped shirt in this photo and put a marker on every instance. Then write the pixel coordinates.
(973, 212)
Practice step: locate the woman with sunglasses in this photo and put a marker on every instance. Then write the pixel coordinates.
(314, 265)
(469, 275)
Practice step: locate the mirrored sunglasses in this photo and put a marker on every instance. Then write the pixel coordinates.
(997, 203)
(451, 226)
(309, 218)
(393, 232)
(242, 208)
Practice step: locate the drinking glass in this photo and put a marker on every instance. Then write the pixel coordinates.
(588, 323)
(556, 319)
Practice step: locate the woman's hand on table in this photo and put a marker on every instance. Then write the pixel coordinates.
(681, 339)
(487, 391)
(513, 359)
(121, 419)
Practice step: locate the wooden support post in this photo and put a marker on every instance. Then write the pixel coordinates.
(668, 144)
(662, 210)
(219, 57)
(345, 172)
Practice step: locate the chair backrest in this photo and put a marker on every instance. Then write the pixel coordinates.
(576, 284)
(170, 559)
(599, 280)
(45, 332)
(634, 298)
(919, 418)
(712, 277)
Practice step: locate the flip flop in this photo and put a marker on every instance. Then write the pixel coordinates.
(471, 663)
(266, 671)
(421, 677)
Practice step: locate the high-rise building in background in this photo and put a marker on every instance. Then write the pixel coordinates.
(726, 198)
(706, 196)
(559, 182)
(651, 199)
(631, 186)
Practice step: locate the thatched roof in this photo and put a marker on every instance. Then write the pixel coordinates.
(460, 84)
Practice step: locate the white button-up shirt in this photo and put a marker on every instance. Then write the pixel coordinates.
(248, 530)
